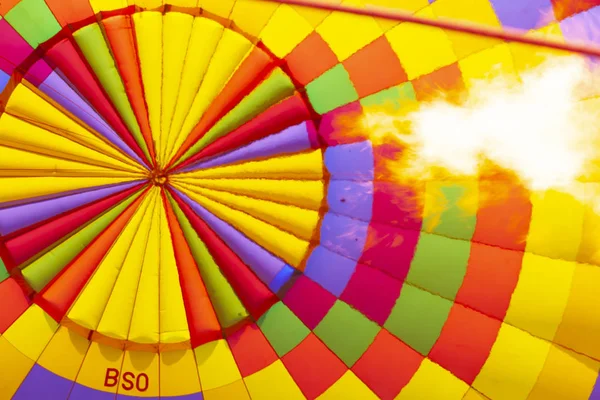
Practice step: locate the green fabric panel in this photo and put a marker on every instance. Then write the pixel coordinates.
(440, 264)
(418, 318)
(282, 328)
(454, 212)
(34, 21)
(3, 272)
(228, 307)
(334, 331)
(42, 270)
(91, 42)
(396, 97)
(331, 90)
(272, 90)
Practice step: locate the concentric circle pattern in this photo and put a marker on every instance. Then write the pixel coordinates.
(184, 214)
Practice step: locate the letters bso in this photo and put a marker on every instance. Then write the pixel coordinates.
(129, 380)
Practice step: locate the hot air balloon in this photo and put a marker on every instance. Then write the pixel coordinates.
(185, 215)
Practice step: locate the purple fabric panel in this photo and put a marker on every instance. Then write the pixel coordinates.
(353, 199)
(55, 87)
(81, 392)
(50, 196)
(330, 270)
(193, 396)
(15, 218)
(4, 78)
(352, 162)
(524, 14)
(582, 27)
(596, 392)
(289, 141)
(343, 235)
(43, 384)
(264, 264)
(13, 47)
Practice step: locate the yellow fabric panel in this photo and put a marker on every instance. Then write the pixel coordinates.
(116, 319)
(446, 387)
(184, 3)
(17, 163)
(98, 360)
(107, 5)
(305, 166)
(346, 33)
(21, 135)
(556, 222)
(528, 56)
(221, 8)
(252, 16)
(273, 382)
(565, 376)
(285, 30)
(473, 394)
(513, 366)
(173, 320)
(204, 38)
(580, 327)
(299, 222)
(91, 302)
(65, 353)
(176, 35)
(280, 243)
(589, 248)
(348, 387)
(149, 4)
(27, 104)
(138, 363)
(25, 188)
(410, 6)
(312, 15)
(488, 64)
(13, 368)
(230, 52)
(216, 365)
(421, 49)
(236, 390)
(305, 194)
(539, 300)
(178, 373)
(148, 32)
(478, 12)
(31, 332)
(144, 320)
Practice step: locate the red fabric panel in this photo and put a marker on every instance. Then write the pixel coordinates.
(14, 303)
(465, 342)
(251, 350)
(492, 275)
(256, 297)
(388, 365)
(313, 366)
(202, 320)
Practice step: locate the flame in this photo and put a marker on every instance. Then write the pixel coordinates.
(538, 131)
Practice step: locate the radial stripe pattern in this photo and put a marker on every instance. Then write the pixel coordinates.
(186, 214)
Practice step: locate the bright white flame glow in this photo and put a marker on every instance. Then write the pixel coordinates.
(538, 128)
